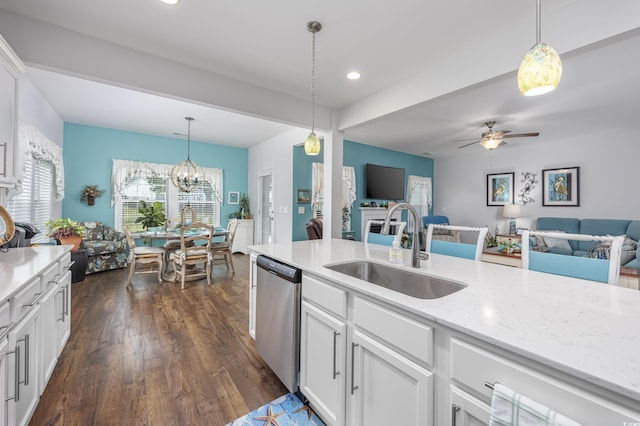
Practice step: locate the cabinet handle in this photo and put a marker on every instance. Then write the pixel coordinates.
(70, 265)
(61, 291)
(36, 297)
(353, 351)
(26, 360)
(454, 412)
(65, 303)
(335, 336)
(16, 375)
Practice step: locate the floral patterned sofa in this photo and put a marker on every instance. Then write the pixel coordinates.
(106, 247)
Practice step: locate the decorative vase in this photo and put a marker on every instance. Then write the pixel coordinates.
(74, 240)
(91, 200)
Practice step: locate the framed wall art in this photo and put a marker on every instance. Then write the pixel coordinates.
(233, 197)
(499, 189)
(304, 196)
(561, 187)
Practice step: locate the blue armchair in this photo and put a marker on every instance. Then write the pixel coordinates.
(106, 247)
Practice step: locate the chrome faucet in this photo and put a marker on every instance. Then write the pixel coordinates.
(417, 226)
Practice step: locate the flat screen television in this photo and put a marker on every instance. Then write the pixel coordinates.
(384, 183)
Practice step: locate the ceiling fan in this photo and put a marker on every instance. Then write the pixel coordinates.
(494, 138)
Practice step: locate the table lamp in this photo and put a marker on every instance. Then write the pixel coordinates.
(512, 211)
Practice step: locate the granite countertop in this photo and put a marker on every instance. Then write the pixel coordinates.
(19, 265)
(587, 329)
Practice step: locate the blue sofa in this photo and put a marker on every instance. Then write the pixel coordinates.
(630, 228)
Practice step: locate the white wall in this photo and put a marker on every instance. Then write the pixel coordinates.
(35, 110)
(276, 154)
(609, 175)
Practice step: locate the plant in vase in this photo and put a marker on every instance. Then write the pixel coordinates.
(66, 231)
(244, 212)
(152, 214)
(90, 193)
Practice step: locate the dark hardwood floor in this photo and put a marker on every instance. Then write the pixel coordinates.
(158, 355)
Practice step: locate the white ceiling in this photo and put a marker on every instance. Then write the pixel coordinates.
(266, 44)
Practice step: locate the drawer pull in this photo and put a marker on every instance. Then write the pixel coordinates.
(454, 412)
(353, 362)
(490, 385)
(70, 265)
(335, 336)
(36, 297)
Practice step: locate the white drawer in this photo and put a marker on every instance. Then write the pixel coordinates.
(412, 338)
(5, 318)
(325, 295)
(25, 299)
(472, 366)
(65, 262)
(50, 276)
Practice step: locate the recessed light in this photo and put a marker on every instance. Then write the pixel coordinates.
(172, 2)
(353, 75)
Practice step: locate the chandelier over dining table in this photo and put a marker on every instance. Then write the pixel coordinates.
(186, 175)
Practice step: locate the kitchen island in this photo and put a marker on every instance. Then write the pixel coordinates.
(571, 344)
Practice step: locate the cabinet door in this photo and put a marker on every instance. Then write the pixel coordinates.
(253, 273)
(48, 345)
(386, 388)
(467, 410)
(22, 372)
(322, 360)
(63, 311)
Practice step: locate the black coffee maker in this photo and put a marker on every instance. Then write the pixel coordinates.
(23, 235)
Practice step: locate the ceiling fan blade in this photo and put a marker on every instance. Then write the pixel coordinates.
(500, 133)
(469, 144)
(522, 135)
(465, 140)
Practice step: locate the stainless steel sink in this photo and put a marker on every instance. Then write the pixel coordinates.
(400, 280)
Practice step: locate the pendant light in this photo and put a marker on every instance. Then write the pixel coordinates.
(541, 68)
(186, 175)
(312, 143)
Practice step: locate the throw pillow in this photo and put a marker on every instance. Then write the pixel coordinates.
(438, 231)
(560, 243)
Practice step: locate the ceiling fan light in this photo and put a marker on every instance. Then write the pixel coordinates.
(312, 144)
(491, 143)
(540, 70)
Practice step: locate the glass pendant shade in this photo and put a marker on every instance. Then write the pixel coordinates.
(312, 144)
(540, 70)
(491, 143)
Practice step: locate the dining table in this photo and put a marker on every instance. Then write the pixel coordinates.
(218, 233)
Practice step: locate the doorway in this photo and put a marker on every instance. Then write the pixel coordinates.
(265, 210)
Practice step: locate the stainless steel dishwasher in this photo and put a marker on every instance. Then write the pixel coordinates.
(278, 318)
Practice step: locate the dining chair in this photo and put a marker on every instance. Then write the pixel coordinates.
(222, 253)
(195, 247)
(383, 239)
(145, 256)
(450, 248)
(587, 268)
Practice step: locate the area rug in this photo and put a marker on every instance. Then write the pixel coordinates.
(287, 410)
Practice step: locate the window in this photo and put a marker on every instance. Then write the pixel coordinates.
(33, 204)
(135, 181)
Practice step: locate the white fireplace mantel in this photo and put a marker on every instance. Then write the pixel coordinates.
(374, 213)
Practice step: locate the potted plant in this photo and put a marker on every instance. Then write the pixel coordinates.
(244, 212)
(89, 194)
(66, 231)
(152, 214)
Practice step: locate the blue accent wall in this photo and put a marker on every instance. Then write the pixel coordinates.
(357, 155)
(88, 153)
(302, 180)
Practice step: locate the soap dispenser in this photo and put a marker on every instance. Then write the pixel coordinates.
(395, 252)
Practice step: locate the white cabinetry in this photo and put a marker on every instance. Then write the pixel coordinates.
(31, 334)
(22, 377)
(253, 275)
(10, 68)
(355, 365)
(474, 365)
(323, 337)
(244, 236)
